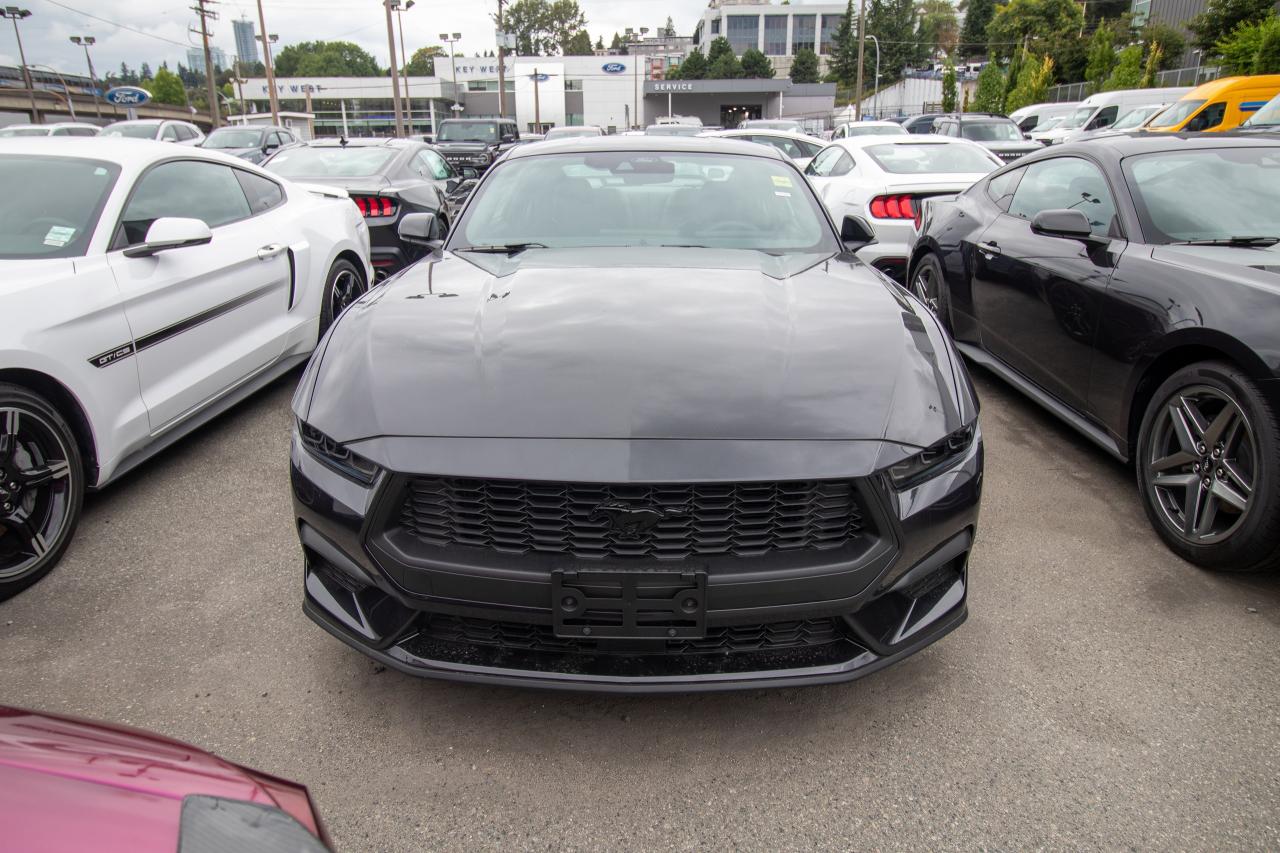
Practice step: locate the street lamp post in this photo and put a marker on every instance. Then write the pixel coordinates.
(267, 41)
(634, 39)
(400, 8)
(875, 103)
(453, 40)
(66, 90)
(15, 14)
(87, 42)
(387, 6)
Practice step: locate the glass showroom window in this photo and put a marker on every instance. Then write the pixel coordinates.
(802, 32)
(830, 23)
(744, 32)
(775, 35)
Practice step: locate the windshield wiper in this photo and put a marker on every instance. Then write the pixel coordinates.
(1230, 241)
(504, 249)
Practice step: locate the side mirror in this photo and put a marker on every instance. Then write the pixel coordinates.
(856, 233)
(1026, 135)
(469, 173)
(1067, 224)
(451, 186)
(422, 229)
(171, 232)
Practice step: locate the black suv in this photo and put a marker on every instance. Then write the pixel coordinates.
(998, 134)
(475, 142)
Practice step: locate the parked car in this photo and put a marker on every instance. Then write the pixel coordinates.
(1131, 122)
(1100, 111)
(1032, 117)
(1265, 120)
(145, 289)
(58, 128)
(475, 143)
(168, 130)
(868, 128)
(921, 123)
(800, 147)
(674, 130)
(1085, 278)
(886, 178)
(253, 143)
(72, 784)
(1218, 105)
(786, 124)
(573, 131)
(602, 439)
(997, 134)
(388, 179)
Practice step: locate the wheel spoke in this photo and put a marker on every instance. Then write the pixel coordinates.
(1196, 422)
(1175, 481)
(44, 474)
(1225, 419)
(1230, 496)
(31, 541)
(1192, 505)
(9, 434)
(1174, 460)
(1208, 512)
(1233, 474)
(1182, 428)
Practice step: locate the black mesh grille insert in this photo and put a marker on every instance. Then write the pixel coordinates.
(663, 522)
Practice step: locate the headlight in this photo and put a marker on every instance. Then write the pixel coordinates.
(337, 456)
(930, 461)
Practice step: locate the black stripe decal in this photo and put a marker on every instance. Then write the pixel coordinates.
(159, 336)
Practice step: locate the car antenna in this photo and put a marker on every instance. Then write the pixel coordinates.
(342, 140)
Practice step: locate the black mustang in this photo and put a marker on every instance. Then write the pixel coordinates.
(1131, 285)
(642, 422)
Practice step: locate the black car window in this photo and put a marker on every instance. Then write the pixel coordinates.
(1000, 188)
(1210, 117)
(429, 164)
(170, 133)
(1028, 123)
(185, 132)
(262, 193)
(810, 149)
(787, 146)
(823, 163)
(276, 140)
(1105, 117)
(184, 188)
(1065, 183)
(842, 166)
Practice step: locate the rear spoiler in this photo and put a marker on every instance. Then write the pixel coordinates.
(326, 192)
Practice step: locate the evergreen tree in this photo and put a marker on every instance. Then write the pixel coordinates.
(843, 61)
(1221, 18)
(1102, 59)
(756, 65)
(727, 67)
(694, 67)
(166, 88)
(1033, 83)
(973, 36)
(804, 66)
(670, 28)
(144, 73)
(1267, 60)
(989, 97)
(1011, 75)
(718, 49)
(600, 43)
(893, 22)
(1154, 57)
(579, 44)
(1128, 71)
(949, 92)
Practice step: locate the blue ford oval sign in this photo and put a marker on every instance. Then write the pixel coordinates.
(541, 78)
(613, 68)
(127, 96)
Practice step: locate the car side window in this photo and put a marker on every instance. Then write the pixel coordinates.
(1105, 117)
(1065, 183)
(185, 188)
(1000, 188)
(262, 193)
(185, 132)
(276, 140)
(1209, 117)
(429, 164)
(809, 149)
(170, 133)
(786, 146)
(843, 165)
(823, 163)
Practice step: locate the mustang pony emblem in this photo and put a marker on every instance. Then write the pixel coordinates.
(631, 521)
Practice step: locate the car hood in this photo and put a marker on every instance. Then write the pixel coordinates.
(22, 275)
(462, 146)
(1259, 266)
(688, 344)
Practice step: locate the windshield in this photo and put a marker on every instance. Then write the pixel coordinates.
(766, 124)
(993, 131)
(1134, 118)
(875, 130)
(50, 204)
(468, 131)
(1236, 192)
(234, 138)
(1267, 116)
(133, 130)
(1176, 114)
(24, 131)
(1047, 124)
(630, 199)
(572, 132)
(673, 130)
(355, 161)
(921, 158)
(1077, 118)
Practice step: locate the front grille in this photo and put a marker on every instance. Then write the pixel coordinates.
(662, 522)
(772, 636)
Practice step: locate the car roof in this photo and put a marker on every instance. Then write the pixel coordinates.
(872, 123)
(1224, 84)
(363, 142)
(1117, 146)
(770, 131)
(655, 144)
(902, 139)
(128, 153)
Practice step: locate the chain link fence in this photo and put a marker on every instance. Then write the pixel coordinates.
(1067, 92)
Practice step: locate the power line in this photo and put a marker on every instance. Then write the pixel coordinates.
(117, 24)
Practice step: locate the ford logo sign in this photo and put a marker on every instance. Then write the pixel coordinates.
(613, 68)
(127, 96)
(541, 78)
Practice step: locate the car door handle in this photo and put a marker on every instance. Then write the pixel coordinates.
(989, 249)
(270, 250)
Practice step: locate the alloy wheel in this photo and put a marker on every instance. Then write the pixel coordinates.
(1201, 464)
(36, 499)
(347, 288)
(927, 287)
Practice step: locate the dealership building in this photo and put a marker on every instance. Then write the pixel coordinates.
(613, 92)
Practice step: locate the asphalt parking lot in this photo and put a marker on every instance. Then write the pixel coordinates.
(1103, 694)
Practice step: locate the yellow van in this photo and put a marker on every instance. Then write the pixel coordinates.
(1217, 105)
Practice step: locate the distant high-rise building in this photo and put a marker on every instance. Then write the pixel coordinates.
(195, 58)
(246, 42)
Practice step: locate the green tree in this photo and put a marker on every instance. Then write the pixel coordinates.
(939, 28)
(842, 63)
(1221, 18)
(1033, 83)
(1154, 57)
(756, 65)
(579, 44)
(1102, 58)
(1171, 42)
(1267, 60)
(726, 67)
(423, 61)
(1012, 73)
(1128, 71)
(693, 67)
(326, 59)
(543, 27)
(973, 37)
(144, 73)
(893, 22)
(718, 49)
(1239, 50)
(989, 97)
(166, 88)
(618, 43)
(600, 43)
(949, 92)
(804, 66)
(1019, 21)
(670, 29)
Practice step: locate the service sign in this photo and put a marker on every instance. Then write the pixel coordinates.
(613, 68)
(127, 96)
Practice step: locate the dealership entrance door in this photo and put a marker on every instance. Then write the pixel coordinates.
(732, 116)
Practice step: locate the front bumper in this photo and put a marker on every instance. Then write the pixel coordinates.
(820, 624)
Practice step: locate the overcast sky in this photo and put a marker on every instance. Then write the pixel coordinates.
(163, 26)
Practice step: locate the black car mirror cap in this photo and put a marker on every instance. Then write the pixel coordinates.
(856, 233)
(422, 229)
(168, 233)
(1066, 224)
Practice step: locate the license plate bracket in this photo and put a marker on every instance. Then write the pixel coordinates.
(628, 603)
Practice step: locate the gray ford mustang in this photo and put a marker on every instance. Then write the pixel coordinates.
(641, 422)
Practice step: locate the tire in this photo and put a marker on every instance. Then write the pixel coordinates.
(1208, 469)
(929, 284)
(343, 285)
(42, 481)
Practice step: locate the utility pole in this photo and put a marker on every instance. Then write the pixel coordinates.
(239, 81)
(211, 85)
(875, 91)
(400, 8)
(502, 62)
(16, 14)
(266, 62)
(87, 42)
(862, 20)
(395, 85)
(452, 42)
(537, 109)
